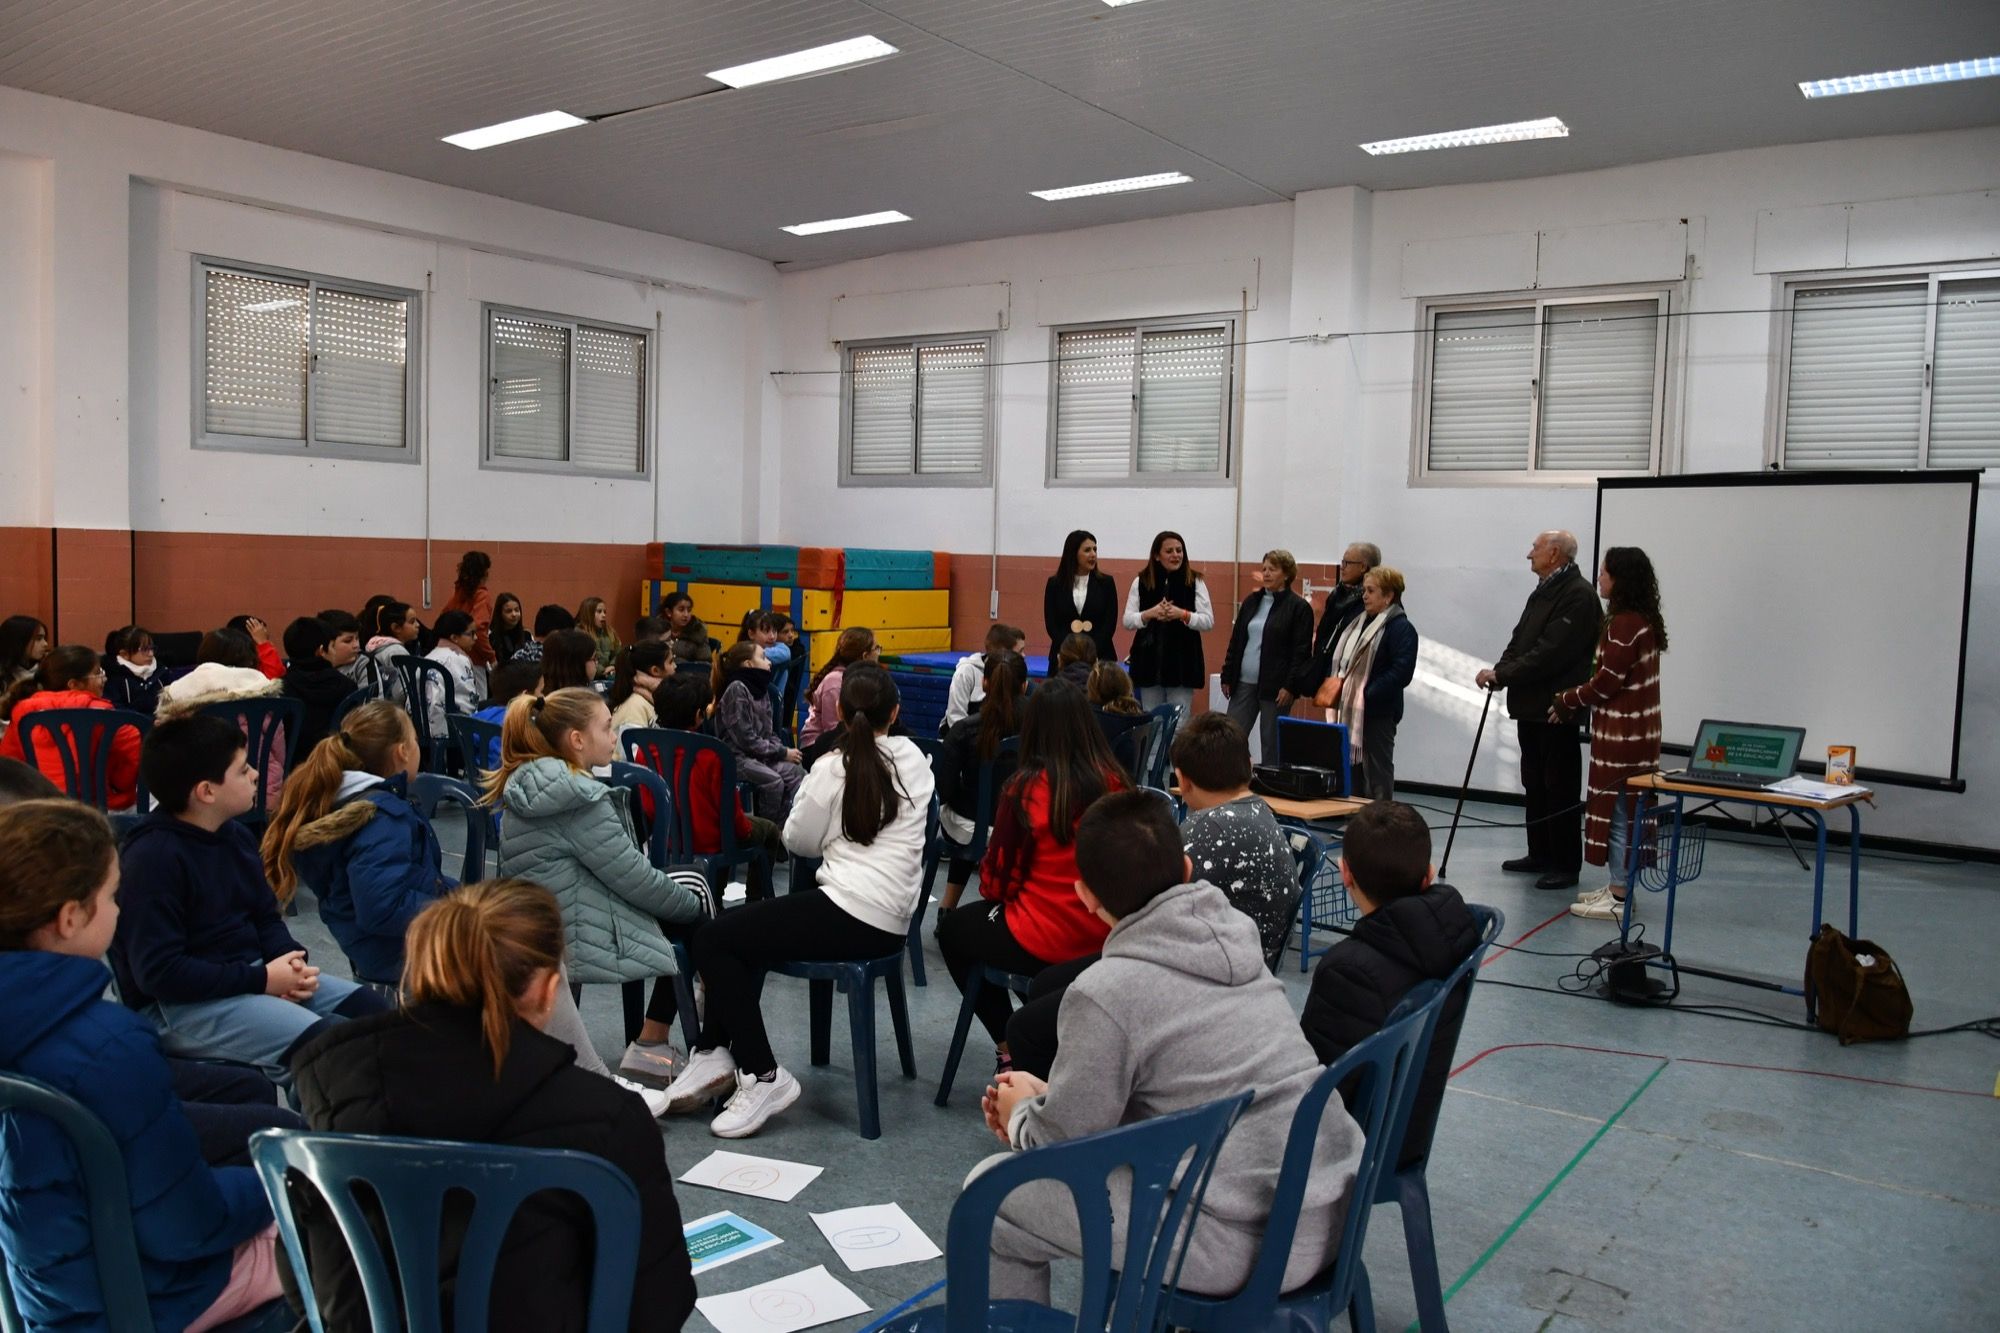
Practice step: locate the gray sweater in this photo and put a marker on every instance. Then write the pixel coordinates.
(1181, 1011)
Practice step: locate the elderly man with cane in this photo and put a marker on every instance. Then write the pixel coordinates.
(1550, 651)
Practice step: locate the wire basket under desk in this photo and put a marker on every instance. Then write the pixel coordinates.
(1680, 864)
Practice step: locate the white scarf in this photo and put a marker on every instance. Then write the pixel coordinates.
(1353, 655)
(142, 672)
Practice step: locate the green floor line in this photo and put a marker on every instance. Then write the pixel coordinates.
(1548, 1189)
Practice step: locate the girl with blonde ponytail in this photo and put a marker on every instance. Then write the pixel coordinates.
(346, 828)
(473, 1056)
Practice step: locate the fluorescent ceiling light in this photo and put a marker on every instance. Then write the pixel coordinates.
(845, 224)
(819, 60)
(1115, 3)
(1118, 186)
(1983, 68)
(527, 127)
(1546, 128)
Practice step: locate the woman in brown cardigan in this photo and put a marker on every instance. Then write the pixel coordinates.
(1623, 696)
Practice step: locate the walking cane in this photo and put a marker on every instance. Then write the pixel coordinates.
(1469, 761)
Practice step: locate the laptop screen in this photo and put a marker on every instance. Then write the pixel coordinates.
(1306, 744)
(1746, 748)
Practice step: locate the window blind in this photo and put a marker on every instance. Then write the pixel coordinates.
(529, 403)
(883, 428)
(1965, 384)
(1183, 399)
(952, 407)
(610, 430)
(1599, 372)
(1094, 402)
(1481, 398)
(254, 356)
(1854, 395)
(360, 347)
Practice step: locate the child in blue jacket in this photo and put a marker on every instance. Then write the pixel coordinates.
(347, 829)
(204, 1233)
(200, 947)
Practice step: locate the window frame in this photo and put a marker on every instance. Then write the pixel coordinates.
(1663, 453)
(979, 480)
(413, 368)
(565, 467)
(1224, 476)
(1790, 284)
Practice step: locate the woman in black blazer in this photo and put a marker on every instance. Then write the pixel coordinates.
(1080, 599)
(1259, 684)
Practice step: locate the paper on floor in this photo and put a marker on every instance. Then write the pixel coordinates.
(740, 1173)
(803, 1300)
(722, 1237)
(877, 1235)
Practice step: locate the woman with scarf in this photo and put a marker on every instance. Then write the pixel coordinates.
(1374, 659)
(1169, 607)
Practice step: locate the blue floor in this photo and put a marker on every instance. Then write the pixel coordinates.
(1596, 1166)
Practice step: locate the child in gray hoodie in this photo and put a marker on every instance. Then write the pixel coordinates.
(1181, 1011)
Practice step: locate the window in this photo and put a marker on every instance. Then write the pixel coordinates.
(1142, 403)
(563, 395)
(1892, 372)
(290, 362)
(1542, 388)
(917, 412)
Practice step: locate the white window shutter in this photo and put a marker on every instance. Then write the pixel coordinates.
(1094, 402)
(952, 407)
(1965, 382)
(1599, 372)
(610, 401)
(254, 356)
(1183, 399)
(1854, 396)
(1481, 403)
(360, 361)
(883, 431)
(529, 404)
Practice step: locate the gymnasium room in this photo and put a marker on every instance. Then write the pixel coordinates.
(621, 619)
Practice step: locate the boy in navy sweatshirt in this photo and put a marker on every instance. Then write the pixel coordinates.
(200, 946)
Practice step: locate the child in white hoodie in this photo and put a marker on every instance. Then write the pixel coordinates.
(862, 809)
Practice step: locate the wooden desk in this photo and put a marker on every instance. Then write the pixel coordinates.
(1332, 807)
(1661, 782)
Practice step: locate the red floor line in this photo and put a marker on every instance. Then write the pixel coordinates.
(1719, 1064)
(1553, 1045)
(1518, 938)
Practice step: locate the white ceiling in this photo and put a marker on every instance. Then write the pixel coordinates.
(1256, 99)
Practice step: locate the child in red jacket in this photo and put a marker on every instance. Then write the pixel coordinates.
(70, 676)
(683, 702)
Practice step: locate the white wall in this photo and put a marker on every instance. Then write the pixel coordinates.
(1327, 443)
(106, 211)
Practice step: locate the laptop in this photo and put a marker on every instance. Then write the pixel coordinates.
(1745, 755)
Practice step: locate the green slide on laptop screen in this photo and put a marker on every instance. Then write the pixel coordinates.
(1744, 754)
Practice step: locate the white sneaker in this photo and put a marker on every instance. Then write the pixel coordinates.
(660, 1062)
(1607, 908)
(1592, 895)
(707, 1075)
(655, 1098)
(755, 1102)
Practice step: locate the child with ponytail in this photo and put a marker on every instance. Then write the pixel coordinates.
(862, 810)
(70, 676)
(743, 721)
(470, 1058)
(345, 826)
(565, 830)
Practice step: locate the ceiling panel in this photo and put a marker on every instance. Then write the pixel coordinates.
(1256, 99)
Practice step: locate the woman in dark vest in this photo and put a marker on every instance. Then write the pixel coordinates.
(1169, 607)
(1080, 599)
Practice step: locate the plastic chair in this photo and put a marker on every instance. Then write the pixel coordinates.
(1123, 1291)
(1310, 853)
(1159, 762)
(82, 739)
(432, 789)
(114, 1246)
(857, 980)
(1382, 1066)
(361, 695)
(672, 755)
(634, 778)
(980, 977)
(407, 1182)
(1407, 1186)
(933, 851)
(421, 678)
(265, 722)
(987, 798)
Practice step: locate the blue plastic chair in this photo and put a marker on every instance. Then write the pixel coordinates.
(1383, 1066)
(1310, 853)
(987, 798)
(1407, 1186)
(1159, 762)
(361, 695)
(408, 1181)
(1123, 1291)
(632, 779)
(857, 981)
(672, 755)
(933, 850)
(431, 790)
(980, 977)
(263, 721)
(478, 743)
(422, 679)
(82, 738)
(114, 1246)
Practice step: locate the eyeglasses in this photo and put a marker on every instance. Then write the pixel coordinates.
(1345, 563)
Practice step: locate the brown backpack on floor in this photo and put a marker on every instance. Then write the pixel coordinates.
(1855, 989)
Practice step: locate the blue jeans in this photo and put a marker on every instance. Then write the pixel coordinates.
(259, 1029)
(1620, 840)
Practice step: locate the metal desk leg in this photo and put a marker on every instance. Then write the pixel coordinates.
(1853, 869)
(1673, 873)
(1819, 867)
(1631, 808)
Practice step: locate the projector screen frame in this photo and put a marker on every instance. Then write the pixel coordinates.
(1968, 477)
